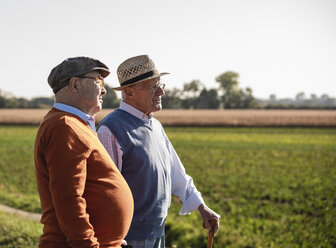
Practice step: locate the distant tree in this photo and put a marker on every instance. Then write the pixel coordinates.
(324, 97)
(328, 101)
(190, 94)
(247, 99)
(232, 99)
(193, 88)
(22, 102)
(12, 102)
(300, 96)
(233, 96)
(272, 97)
(228, 81)
(110, 99)
(41, 102)
(313, 96)
(208, 99)
(172, 99)
(2, 100)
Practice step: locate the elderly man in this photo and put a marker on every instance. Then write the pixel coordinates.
(85, 200)
(143, 153)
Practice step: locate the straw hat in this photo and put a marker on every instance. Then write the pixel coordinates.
(135, 70)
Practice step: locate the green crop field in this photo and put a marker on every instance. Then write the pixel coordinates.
(273, 187)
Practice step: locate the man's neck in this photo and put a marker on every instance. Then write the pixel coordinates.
(149, 114)
(77, 106)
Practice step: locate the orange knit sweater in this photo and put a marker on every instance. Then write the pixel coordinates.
(85, 200)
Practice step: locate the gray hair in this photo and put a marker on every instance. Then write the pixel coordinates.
(135, 86)
(123, 95)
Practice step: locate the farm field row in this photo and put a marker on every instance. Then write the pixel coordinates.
(273, 187)
(306, 118)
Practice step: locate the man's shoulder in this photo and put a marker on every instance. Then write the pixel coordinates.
(62, 127)
(112, 114)
(60, 118)
(62, 123)
(116, 116)
(156, 122)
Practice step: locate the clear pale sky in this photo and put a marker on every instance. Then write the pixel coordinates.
(278, 47)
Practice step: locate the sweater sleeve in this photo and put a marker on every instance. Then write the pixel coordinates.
(66, 157)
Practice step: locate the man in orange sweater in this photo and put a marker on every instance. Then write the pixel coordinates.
(85, 200)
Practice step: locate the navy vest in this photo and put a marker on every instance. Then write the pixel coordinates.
(146, 166)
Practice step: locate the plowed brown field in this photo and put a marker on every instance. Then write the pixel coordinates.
(309, 118)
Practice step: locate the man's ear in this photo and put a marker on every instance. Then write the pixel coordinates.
(128, 91)
(73, 85)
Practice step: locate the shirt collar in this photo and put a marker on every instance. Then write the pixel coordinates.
(135, 112)
(72, 110)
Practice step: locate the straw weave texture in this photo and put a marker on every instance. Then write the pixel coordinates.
(134, 67)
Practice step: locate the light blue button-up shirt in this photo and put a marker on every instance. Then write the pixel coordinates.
(72, 110)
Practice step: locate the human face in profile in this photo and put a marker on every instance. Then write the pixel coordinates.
(147, 96)
(91, 92)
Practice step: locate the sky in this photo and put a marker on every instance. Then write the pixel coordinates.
(279, 47)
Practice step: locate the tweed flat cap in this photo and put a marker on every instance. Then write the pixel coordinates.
(74, 67)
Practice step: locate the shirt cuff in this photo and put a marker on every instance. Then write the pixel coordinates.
(191, 204)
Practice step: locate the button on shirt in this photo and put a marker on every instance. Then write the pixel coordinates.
(182, 184)
(72, 110)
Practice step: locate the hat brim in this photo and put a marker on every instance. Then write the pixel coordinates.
(103, 71)
(155, 76)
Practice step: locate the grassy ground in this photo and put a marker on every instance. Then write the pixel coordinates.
(18, 232)
(17, 176)
(273, 187)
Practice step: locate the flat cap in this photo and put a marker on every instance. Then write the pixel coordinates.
(74, 67)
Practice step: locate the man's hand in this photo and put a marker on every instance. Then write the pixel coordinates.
(207, 215)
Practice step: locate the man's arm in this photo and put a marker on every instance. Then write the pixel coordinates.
(66, 161)
(113, 148)
(183, 186)
(111, 145)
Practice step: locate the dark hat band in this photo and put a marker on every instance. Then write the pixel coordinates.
(138, 78)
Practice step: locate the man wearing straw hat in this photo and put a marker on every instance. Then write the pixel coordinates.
(86, 202)
(143, 153)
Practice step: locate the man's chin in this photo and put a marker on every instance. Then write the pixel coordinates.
(155, 109)
(98, 108)
(158, 107)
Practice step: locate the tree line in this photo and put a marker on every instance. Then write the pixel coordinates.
(9, 101)
(194, 95)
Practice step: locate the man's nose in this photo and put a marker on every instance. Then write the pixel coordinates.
(160, 92)
(103, 91)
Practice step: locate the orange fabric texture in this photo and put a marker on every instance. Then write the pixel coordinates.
(85, 200)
